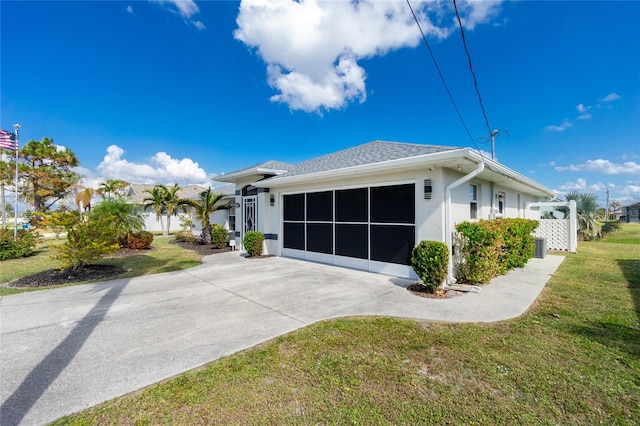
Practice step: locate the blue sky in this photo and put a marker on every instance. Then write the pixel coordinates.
(182, 91)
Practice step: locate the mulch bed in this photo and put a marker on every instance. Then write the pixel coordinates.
(201, 249)
(53, 277)
(423, 291)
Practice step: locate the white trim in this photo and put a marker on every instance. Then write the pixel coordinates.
(393, 269)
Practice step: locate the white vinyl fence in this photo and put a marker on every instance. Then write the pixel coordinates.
(560, 234)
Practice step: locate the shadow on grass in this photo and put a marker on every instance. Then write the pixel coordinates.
(142, 264)
(613, 334)
(631, 271)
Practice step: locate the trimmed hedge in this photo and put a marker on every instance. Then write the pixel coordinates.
(430, 260)
(186, 236)
(219, 235)
(252, 242)
(493, 247)
(139, 240)
(22, 247)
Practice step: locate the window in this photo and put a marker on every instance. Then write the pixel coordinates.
(232, 219)
(473, 201)
(501, 197)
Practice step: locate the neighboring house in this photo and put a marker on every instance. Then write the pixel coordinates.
(136, 193)
(367, 206)
(630, 213)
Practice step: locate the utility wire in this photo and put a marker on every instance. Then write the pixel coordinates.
(444, 83)
(473, 74)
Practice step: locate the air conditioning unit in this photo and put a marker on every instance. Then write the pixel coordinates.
(540, 251)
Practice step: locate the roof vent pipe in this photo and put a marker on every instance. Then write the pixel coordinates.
(447, 217)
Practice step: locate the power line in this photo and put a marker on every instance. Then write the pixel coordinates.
(473, 74)
(444, 83)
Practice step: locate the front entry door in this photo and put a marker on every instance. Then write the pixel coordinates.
(250, 214)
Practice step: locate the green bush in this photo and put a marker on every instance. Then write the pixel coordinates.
(252, 242)
(186, 236)
(430, 260)
(86, 241)
(139, 240)
(220, 236)
(23, 246)
(493, 247)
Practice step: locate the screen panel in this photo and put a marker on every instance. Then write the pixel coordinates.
(392, 243)
(352, 205)
(293, 237)
(293, 207)
(320, 206)
(320, 237)
(352, 240)
(393, 204)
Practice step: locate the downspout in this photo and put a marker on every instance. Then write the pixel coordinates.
(447, 218)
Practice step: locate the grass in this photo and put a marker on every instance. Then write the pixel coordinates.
(574, 358)
(164, 258)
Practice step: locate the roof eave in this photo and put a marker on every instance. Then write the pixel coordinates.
(400, 163)
(243, 174)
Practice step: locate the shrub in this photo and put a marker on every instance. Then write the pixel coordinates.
(430, 260)
(23, 246)
(219, 235)
(492, 247)
(86, 241)
(122, 216)
(186, 236)
(252, 242)
(139, 240)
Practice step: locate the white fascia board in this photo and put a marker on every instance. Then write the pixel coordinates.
(234, 176)
(400, 163)
(511, 174)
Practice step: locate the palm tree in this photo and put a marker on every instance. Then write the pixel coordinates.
(122, 217)
(112, 187)
(172, 203)
(156, 200)
(207, 203)
(587, 208)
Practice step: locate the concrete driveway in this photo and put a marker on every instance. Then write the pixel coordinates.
(67, 349)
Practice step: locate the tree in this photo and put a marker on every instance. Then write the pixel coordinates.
(155, 200)
(83, 200)
(122, 217)
(207, 203)
(587, 209)
(172, 203)
(112, 187)
(47, 172)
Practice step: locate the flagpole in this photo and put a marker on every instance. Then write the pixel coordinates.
(15, 207)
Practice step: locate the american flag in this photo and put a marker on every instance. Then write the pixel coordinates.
(8, 140)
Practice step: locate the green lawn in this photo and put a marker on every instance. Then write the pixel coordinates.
(574, 358)
(164, 258)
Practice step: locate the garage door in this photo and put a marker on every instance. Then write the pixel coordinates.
(371, 228)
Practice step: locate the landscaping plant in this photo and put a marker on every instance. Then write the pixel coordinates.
(22, 246)
(430, 260)
(253, 243)
(219, 236)
(139, 240)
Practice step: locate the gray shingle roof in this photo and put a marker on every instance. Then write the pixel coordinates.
(271, 165)
(368, 153)
(137, 193)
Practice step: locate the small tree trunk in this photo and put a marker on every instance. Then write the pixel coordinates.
(206, 236)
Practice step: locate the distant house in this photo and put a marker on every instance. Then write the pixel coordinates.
(136, 193)
(630, 213)
(367, 206)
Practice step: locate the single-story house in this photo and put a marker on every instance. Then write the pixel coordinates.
(630, 213)
(367, 206)
(136, 193)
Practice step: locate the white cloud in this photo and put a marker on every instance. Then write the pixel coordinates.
(611, 97)
(185, 8)
(312, 48)
(130, 10)
(579, 185)
(162, 169)
(561, 128)
(582, 108)
(584, 116)
(603, 166)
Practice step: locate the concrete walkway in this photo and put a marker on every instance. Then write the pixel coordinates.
(67, 349)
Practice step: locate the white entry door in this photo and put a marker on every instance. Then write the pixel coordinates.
(250, 214)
